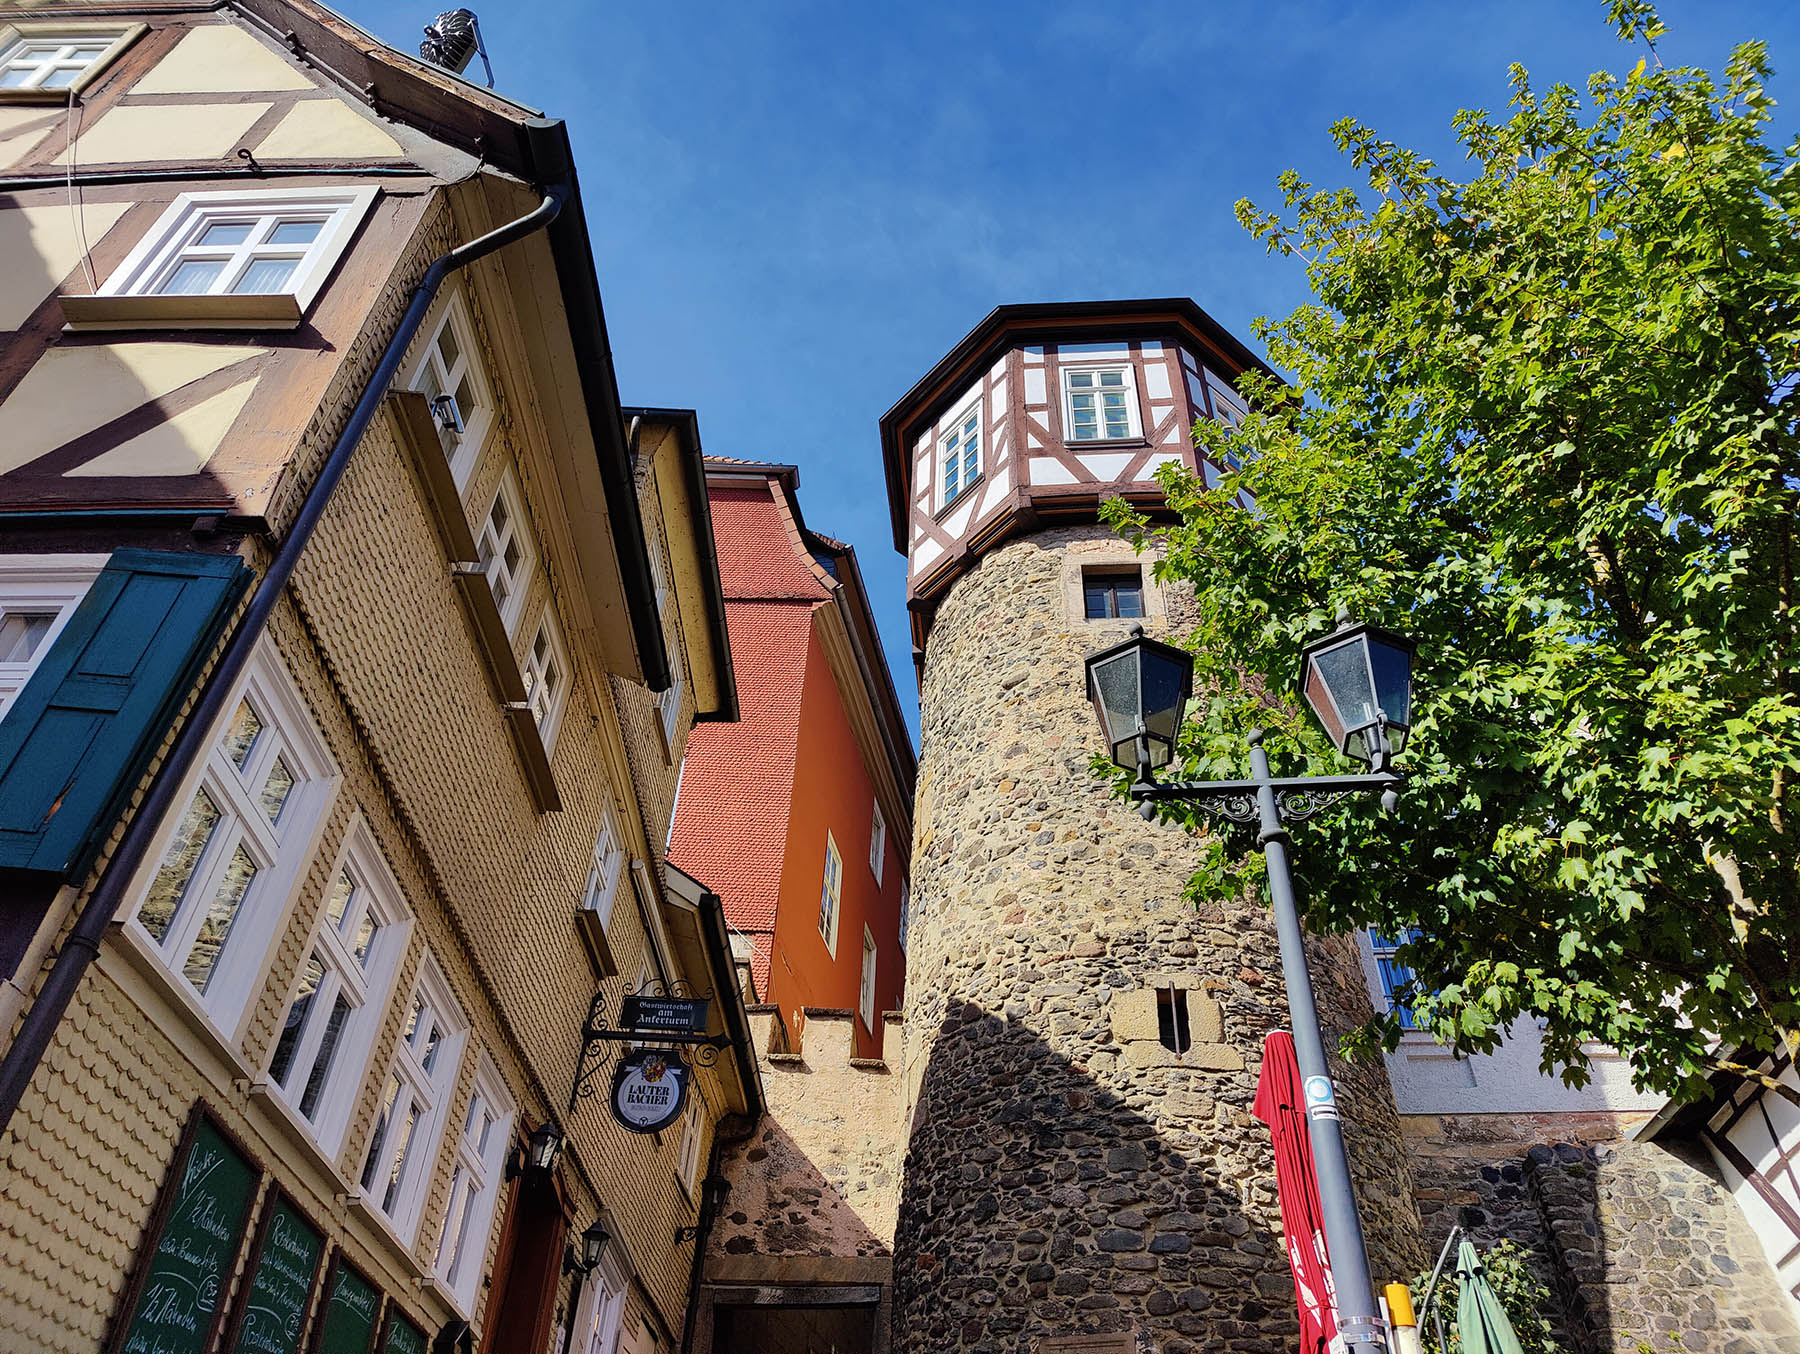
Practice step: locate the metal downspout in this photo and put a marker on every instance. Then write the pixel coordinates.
(83, 944)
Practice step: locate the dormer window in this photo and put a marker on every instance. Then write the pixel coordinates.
(1100, 404)
(961, 448)
(45, 60)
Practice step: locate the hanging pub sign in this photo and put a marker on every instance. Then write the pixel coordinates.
(664, 1015)
(649, 1090)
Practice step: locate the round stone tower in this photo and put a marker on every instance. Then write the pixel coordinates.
(1082, 1046)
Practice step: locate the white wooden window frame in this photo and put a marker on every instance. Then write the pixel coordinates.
(607, 871)
(368, 985)
(668, 700)
(877, 843)
(1135, 425)
(41, 585)
(428, 369)
(532, 666)
(491, 546)
(952, 453)
(687, 1159)
(114, 38)
(601, 1313)
(432, 1088)
(831, 894)
(279, 850)
(480, 1163)
(866, 993)
(155, 255)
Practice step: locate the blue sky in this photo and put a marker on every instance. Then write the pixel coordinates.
(798, 208)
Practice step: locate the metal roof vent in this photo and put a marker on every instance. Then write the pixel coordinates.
(453, 40)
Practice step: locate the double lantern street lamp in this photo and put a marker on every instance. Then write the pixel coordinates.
(1358, 681)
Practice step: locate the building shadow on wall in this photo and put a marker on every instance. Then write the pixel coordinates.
(1038, 1202)
(783, 1204)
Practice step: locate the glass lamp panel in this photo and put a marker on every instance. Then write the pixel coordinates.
(1320, 701)
(1118, 699)
(1345, 672)
(1165, 687)
(1392, 668)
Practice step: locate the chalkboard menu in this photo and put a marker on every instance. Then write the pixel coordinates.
(174, 1304)
(402, 1336)
(272, 1311)
(347, 1325)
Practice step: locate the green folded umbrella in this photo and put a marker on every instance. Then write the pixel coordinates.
(1481, 1323)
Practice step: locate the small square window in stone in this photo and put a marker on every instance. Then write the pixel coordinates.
(1115, 594)
(1172, 1019)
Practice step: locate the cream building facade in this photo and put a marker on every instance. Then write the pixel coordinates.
(348, 648)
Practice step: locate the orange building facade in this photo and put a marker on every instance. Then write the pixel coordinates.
(800, 814)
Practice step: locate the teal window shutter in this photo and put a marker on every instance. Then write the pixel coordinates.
(76, 740)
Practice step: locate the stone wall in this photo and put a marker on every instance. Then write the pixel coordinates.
(1065, 1176)
(1640, 1244)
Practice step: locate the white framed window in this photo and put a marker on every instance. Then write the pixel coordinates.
(546, 673)
(505, 550)
(905, 913)
(960, 452)
(866, 996)
(414, 1099)
(54, 58)
(687, 1161)
(211, 907)
(265, 242)
(601, 1312)
(1396, 978)
(831, 893)
(322, 1051)
(474, 1185)
(1100, 404)
(877, 843)
(607, 870)
(449, 374)
(38, 594)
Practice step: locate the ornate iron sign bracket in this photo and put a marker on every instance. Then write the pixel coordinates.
(601, 1040)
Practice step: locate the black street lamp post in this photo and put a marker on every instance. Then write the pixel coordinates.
(1358, 681)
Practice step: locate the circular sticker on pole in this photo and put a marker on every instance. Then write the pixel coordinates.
(1321, 1098)
(649, 1090)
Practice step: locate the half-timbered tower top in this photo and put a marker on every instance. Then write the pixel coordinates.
(1040, 413)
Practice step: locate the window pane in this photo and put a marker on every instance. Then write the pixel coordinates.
(1081, 379)
(18, 77)
(465, 398)
(21, 632)
(397, 1171)
(497, 516)
(447, 348)
(321, 1068)
(1112, 378)
(223, 233)
(455, 1219)
(339, 898)
(265, 277)
(434, 1040)
(61, 77)
(192, 278)
(1131, 601)
(178, 865)
(275, 790)
(220, 915)
(365, 934)
(246, 725)
(295, 1024)
(296, 232)
(373, 1160)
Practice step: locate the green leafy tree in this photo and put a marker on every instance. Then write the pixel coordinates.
(1542, 420)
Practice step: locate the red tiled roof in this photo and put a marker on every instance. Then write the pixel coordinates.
(758, 556)
(737, 782)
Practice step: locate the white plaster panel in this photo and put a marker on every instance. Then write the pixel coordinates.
(958, 407)
(1042, 426)
(1151, 348)
(1196, 394)
(1107, 466)
(1173, 435)
(113, 380)
(924, 473)
(1049, 470)
(997, 372)
(189, 131)
(1034, 387)
(957, 522)
(15, 144)
(993, 493)
(925, 554)
(1156, 381)
(1034, 354)
(1158, 412)
(40, 247)
(997, 401)
(1162, 458)
(1077, 352)
(1187, 360)
(324, 129)
(220, 59)
(181, 446)
(1032, 441)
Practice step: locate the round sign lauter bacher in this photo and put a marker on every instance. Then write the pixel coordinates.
(649, 1090)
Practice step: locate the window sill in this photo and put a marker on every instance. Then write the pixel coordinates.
(88, 313)
(961, 494)
(1110, 443)
(297, 1131)
(174, 994)
(381, 1229)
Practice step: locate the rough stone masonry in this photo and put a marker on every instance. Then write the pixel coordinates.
(1066, 1173)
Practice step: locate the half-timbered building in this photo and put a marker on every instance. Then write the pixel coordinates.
(350, 639)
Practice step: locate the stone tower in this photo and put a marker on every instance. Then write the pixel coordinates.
(1081, 1046)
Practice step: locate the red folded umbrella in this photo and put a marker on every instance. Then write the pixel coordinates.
(1281, 1105)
